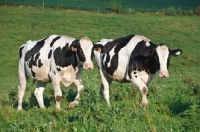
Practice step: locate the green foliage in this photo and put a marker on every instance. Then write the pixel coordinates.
(170, 11)
(192, 113)
(174, 101)
(115, 5)
(179, 11)
(129, 11)
(197, 11)
(190, 12)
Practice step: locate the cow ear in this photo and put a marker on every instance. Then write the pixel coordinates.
(176, 52)
(74, 45)
(98, 47)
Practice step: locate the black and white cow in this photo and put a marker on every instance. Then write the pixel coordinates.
(54, 59)
(133, 58)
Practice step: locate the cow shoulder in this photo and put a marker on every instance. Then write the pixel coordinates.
(64, 56)
(139, 58)
(119, 43)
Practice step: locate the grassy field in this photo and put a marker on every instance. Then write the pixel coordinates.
(174, 102)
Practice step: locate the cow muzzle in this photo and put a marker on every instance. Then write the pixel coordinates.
(163, 74)
(88, 66)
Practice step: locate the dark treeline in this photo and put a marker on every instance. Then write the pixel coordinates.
(111, 5)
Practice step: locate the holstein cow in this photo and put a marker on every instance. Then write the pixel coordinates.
(54, 59)
(133, 58)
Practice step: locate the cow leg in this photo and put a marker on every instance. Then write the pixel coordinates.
(104, 90)
(57, 91)
(58, 96)
(22, 84)
(142, 87)
(39, 93)
(80, 88)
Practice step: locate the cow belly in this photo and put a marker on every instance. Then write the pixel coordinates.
(68, 75)
(118, 76)
(41, 74)
(144, 76)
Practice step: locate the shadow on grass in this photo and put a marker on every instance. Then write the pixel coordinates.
(13, 98)
(32, 101)
(179, 107)
(71, 95)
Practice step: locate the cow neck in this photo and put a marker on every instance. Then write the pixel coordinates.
(153, 65)
(79, 63)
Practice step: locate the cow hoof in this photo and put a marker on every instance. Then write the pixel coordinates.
(42, 107)
(19, 108)
(109, 105)
(72, 105)
(58, 108)
(145, 103)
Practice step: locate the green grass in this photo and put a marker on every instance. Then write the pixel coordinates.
(174, 102)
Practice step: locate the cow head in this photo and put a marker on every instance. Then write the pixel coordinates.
(84, 51)
(159, 59)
